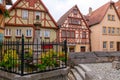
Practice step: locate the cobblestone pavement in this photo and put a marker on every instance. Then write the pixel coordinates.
(105, 70)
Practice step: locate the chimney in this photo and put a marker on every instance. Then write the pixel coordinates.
(90, 10)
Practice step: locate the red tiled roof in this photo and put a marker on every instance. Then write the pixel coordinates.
(97, 16)
(117, 4)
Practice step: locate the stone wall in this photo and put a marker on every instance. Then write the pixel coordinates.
(60, 74)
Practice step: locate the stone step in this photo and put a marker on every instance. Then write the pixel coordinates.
(84, 67)
(70, 76)
(80, 71)
(76, 74)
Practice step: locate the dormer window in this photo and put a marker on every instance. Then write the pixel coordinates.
(37, 15)
(1, 1)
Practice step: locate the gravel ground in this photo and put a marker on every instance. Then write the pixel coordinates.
(105, 70)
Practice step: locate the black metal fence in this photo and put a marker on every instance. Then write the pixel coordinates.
(24, 57)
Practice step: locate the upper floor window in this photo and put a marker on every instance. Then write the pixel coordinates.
(118, 30)
(109, 30)
(113, 30)
(104, 30)
(75, 11)
(83, 34)
(75, 21)
(1, 1)
(111, 17)
(68, 34)
(7, 32)
(18, 32)
(40, 33)
(47, 33)
(29, 33)
(25, 14)
(37, 15)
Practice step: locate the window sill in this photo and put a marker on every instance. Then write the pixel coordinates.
(8, 36)
(28, 37)
(47, 37)
(18, 36)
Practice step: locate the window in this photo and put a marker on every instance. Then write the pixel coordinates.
(83, 34)
(37, 15)
(113, 17)
(25, 14)
(47, 33)
(68, 34)
(18, 32)
(104, 30)
(75, 11)
(1, 1)
(109, 17)
(75, 21)
(111, 44)
(118, 30)
(113, 30)
(29, 33)
(7, 32)
(109, 30)
(105, 44)
(40, 33)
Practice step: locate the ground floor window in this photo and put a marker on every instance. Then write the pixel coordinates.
(104, 44)
(82, 48)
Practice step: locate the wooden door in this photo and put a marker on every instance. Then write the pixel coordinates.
(118, 46)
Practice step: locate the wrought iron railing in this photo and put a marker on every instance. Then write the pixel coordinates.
(24, 57)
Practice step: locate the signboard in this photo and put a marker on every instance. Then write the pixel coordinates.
(1, 37)
(48, 46)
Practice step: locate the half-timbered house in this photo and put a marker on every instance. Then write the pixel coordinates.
(75, 30)
(32, 19)
(3, 4)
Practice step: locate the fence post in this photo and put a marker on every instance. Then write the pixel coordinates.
(22, 57)
(65, 48)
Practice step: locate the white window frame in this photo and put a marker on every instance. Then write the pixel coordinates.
(29, 33)
(37, 13)
(40, 33)
(47, 33)
(8, 32)
(25, 14)
(18, 32)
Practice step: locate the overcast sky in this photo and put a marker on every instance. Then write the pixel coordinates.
(58, 7)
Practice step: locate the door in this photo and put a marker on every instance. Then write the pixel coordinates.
(118, 46)
(82, 48)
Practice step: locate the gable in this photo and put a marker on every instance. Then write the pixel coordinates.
(32, 6)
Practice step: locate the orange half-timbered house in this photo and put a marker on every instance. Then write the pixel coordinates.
(75, 30)
(3, 4)
(27, 17)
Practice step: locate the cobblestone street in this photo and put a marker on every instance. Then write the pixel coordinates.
(105, 70)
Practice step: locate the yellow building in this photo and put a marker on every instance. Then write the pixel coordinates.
(104, 23)
(3, 4)
(32, 19)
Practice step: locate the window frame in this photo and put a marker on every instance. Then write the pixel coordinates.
(104, 44)
(24, 14)
(111, 45)
(104, 30)
(18, 32)
(48, 34)
(28, 33)
(84, 35)
(37, 13)
(8, 32)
